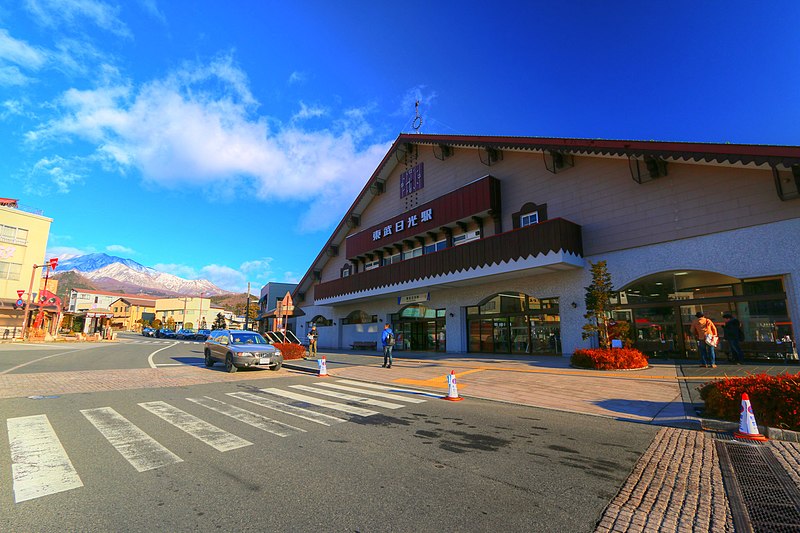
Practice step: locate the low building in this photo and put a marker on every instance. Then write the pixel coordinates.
(195, 313)
(271, 294)
(484, 244)
(130, 313)
(23, 239)
(81, 300)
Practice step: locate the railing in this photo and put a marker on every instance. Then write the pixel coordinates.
(550, 236)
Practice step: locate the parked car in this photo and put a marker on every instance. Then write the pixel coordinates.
(148, 332)
(187, 334)
(240, 349)
(165, 333)
(202, 334)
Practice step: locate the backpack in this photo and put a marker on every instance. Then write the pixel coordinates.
(390, 339)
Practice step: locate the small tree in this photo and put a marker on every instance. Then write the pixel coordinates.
(157, 323)
(598, 304)
(188, 325)
(219, 322)
(171, 323)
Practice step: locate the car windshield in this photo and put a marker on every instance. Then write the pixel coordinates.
(248, 338)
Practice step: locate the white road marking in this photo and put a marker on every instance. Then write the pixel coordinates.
(136, 446)
(388, 388)
(349, 397)
(217, 438)
(371, 393)
(150, 358)
(256, 420)
(39, 463)
(307, 414)
(353, 410)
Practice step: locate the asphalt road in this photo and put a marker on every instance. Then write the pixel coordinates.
(427, 466)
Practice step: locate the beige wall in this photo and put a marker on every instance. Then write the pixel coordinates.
(174, 307)
(599, 194)
(26, 254)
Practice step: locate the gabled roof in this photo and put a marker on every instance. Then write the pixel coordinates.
(142, 302)
(753, 155)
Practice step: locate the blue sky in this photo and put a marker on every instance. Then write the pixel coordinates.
(225, 140)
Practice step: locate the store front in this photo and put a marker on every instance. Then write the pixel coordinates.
(420, 328)
(515, 323)
(660, 309)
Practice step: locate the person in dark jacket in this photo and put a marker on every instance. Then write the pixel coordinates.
(734, 334)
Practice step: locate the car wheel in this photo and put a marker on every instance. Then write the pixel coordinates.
(276, 366)
(229, 366)
(209, 360)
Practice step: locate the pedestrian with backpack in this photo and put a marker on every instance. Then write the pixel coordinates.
(387, 339)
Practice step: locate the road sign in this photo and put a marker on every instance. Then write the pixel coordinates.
(20, 293)
(19, 303)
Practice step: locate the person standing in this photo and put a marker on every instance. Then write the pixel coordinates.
(312, 342)
(701, 327)
(734, 334)
(387, 339)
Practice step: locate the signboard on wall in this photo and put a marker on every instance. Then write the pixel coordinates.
(412, 180)
(413, 298)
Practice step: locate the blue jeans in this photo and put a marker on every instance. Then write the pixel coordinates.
(736, 350)
(707, 355)
(387, 355)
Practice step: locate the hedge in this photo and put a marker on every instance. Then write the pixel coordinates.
(609, 359)
(775, 399)
(291, 350)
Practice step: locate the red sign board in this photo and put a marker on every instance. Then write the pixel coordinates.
(54, 263)
(20, 293)
(478, 197)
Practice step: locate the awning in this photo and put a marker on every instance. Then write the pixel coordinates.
(296, 311)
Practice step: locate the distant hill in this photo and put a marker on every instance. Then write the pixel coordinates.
(71, 280)
(234, 302)
(117, 274)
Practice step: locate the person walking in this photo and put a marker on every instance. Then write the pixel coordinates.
(734, 334)
(387, 340)
(312, 343)
(701, 327)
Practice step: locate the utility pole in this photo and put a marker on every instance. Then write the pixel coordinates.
(247, 306)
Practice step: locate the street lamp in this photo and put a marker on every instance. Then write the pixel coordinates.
(200, 323)
(49, 264)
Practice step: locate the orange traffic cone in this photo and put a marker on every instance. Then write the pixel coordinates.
(452, 388)
(747, 422)
(323, 368)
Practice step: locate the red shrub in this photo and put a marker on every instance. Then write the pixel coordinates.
(291, 350)
(609, 359)
(775, 399)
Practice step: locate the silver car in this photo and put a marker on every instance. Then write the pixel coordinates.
(240, 349)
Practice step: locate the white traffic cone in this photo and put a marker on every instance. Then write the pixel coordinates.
(452, 388)
(323, 368)
(748, 429)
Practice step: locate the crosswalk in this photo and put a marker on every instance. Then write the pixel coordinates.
(40, 465)
(164, 341)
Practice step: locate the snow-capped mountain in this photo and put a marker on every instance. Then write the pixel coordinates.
(117, 273)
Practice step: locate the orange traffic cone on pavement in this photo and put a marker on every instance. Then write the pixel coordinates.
(323, 368)
(748, 429)
(452, 388)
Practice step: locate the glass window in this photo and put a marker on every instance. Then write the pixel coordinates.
(359, 317)
(435, 247)
(466, 237)
(391, 259)
(416, 252)
(372, 264)
(528, 219)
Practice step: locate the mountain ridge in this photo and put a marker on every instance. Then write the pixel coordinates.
(112, 273)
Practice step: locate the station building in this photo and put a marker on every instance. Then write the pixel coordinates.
(484, 244)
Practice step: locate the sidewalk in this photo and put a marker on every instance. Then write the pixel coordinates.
(677, 485)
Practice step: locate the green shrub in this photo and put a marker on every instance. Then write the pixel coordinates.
(775, 399)
(609, 359)
(291, 350)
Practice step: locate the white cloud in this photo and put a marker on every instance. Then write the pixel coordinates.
(118, 248)
(197, 128)
(53, 13)
(20, 52)
(66, 252)
(10, 76)
(224, 277)
(297, 77)
(63, 173)
(258, 266)
(308, 112)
